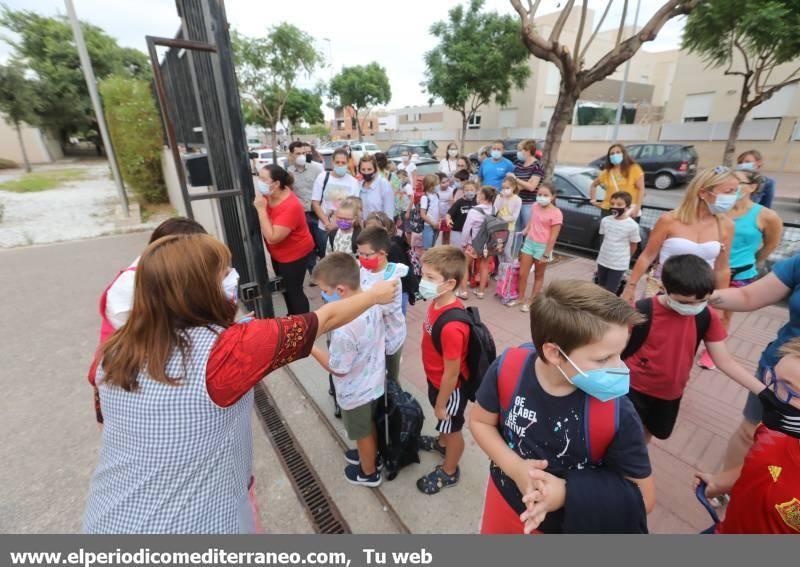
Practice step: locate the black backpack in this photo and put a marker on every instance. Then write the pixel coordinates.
(639, 333)
(481, 350)
(492, 236)
(399, 424)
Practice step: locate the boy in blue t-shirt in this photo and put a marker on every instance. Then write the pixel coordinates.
(495, 168)
(579, 331)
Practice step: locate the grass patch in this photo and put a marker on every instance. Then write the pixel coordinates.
(42, 180)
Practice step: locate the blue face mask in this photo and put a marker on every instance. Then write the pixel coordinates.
(327, 298)
(520, 156)
(746, 166)
(602, 383)
(428, 289)
(263, 188)
(615, 159)
(340, 170)
(497, 154)
(724, 203)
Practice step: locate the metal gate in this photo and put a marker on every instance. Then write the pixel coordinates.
(198, 96)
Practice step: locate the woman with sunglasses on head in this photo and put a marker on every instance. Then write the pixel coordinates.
(176, 382)
(698, 226)
(620, 173)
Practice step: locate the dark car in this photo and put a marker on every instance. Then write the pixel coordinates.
(509, 150)
(664, 165)
(582, 219)
(423, 148)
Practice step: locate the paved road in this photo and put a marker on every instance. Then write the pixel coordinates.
(48, 332)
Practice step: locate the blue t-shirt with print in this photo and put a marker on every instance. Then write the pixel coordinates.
(788, 272)
(493, 172)
(541, 426)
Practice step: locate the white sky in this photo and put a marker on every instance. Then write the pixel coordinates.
(395, 34)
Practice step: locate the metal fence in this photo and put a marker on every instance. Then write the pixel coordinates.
(789, 245)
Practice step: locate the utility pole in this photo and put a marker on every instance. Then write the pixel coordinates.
(91, 84)
(618, 118)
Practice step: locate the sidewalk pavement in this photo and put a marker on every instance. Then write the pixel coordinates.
(710, 411)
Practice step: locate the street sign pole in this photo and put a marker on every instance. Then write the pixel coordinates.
(618, 118)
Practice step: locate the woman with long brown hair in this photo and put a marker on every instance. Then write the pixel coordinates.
(176, 387)
(620, 173)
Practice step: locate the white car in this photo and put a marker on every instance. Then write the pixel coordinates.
(264, 157)
(358, 149)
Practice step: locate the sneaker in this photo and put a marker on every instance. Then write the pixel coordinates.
(526, 308)
(706, 362)
(355, 475)
(434, 482)
(512, 303)
(351, 456)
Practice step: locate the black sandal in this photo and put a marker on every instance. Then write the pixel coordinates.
(431, 444)
(433, 482)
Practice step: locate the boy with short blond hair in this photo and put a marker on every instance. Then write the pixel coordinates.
(443, 269)
(356, 360)
(566, 445)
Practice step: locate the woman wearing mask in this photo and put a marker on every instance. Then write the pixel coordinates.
(288, 239)
(529, 174)
(699, 226)
(620, 173)
(177, 388)
(752, 160)
(449, 165)
(376, 192)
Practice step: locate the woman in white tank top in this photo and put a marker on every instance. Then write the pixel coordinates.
(698, 226)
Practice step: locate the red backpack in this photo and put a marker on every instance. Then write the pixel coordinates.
(601, 419)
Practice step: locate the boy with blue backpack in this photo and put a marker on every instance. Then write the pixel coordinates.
(567, 447)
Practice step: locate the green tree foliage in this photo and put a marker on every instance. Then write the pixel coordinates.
(751, 39)
(18, 102)
(480, 57)
(137, 135)
(268, 69)
(45, 46)
(361, 87)
(303, 105)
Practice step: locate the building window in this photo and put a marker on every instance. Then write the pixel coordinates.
(414, 117)
(369, 125)
(474, 122)
(697, 107)
(340, 124)
(353, 124)
(696, 119)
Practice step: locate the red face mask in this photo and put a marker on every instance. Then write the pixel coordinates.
(370, 264)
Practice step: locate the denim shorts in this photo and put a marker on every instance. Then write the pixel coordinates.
(533, 248)
(429, 236)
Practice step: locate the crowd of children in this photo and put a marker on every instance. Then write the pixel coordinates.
(565, 422)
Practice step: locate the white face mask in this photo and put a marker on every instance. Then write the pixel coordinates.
(507, 192)
(452, 153)
(230, 286)
(300, 161)
(688, 310)
(542, 200)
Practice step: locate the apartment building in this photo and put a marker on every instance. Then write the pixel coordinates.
(344, 125)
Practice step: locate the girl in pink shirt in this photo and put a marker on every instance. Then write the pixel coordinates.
(540, 238)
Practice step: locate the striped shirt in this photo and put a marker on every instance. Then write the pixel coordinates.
(525, 172)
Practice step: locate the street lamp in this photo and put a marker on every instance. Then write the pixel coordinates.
(618, 117)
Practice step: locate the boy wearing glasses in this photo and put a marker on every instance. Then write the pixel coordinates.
(765, 489)
(373, 251)
(661, 351)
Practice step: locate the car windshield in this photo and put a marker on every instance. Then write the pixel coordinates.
(429, 168)
(583, 181)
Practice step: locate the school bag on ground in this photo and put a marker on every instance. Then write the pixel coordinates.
(639, 333)
(601, 419)
(492, 236)
(507, 288)
(399, 424)
(481, 350)
(415, 222)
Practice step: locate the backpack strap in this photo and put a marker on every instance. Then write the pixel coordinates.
(324, 184)
(509, 373)
(639, 332)
(600, 422)
(450, 316)
(702, 322)
(391, 268)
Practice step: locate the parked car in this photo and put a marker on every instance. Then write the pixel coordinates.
(333, 144)
(253, 144)
(262, 157)
(664, 165)
(509, 150)
(425, 166)
(581, 218)
(358, 149)
(423, 148)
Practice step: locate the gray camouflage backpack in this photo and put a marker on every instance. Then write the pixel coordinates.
(492, 236)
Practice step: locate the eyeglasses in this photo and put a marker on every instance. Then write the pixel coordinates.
(783, 391)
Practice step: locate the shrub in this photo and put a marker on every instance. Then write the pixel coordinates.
(135, 128)
(8, 164)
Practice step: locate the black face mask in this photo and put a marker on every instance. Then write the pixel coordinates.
(779, 416)
(617, 211)
(367, 176)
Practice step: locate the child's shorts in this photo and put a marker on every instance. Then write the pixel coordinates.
(455, 409)
(658, 416)
(359, 422)
(533, 248)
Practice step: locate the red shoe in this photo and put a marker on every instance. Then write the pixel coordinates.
(706, 362)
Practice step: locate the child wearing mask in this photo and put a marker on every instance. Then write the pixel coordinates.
(620, 237)
(403, 199)
(507, 207)
(472, 225)
(348, 227)
(661, 352)
(540, 238)
(445, 194)
(456, 217)
(429, 211)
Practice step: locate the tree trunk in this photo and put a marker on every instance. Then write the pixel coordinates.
(274, 135)
(736, 127)
(358, 127)
(562, 114)
(463, 132)
(22, 148)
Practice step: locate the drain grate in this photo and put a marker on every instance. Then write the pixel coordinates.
(322, 511)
